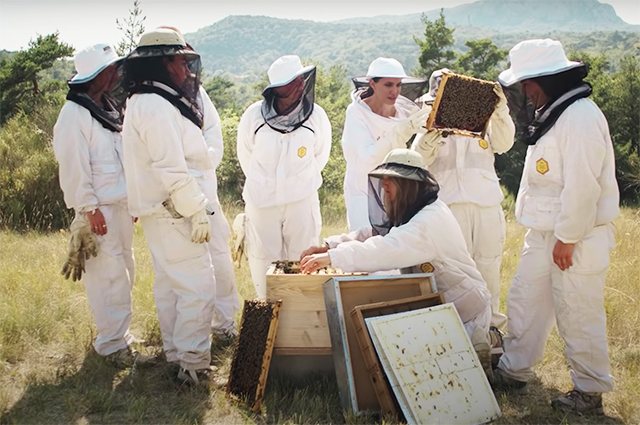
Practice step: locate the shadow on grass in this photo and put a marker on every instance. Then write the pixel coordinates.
(98, 392)
(535, 408)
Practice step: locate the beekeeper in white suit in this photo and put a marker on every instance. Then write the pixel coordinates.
(284, 142)
(411, 229)
(88, 147)
(171, 186)
(378, 120)
(464, 168)
(568, 199)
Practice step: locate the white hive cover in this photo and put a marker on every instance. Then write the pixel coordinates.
(432, 367)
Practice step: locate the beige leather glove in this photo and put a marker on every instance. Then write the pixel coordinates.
(82, 246)
(414, 123)
(428, 144)
(238, 239)
(200, 227)
(501, 106)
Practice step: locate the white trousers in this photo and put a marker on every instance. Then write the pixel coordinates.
(184, 289)
(280, 233)
(227, 304)
(484, 231)
(109, 279)
(542, 294)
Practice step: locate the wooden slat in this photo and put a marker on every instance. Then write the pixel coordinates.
(266, 358)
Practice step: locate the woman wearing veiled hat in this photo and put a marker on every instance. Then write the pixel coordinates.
(380, 118)
(412, 230)
(284, 142)
(568, 198)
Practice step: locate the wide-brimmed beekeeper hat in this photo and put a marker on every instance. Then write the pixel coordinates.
(162, 42)
(402, 163)
(91, 61)
(285, 69)
(434, 84)
(536, 58)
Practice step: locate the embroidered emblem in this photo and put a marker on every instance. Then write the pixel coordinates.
(302, 152)
(542, 166)
(483, 144)
(426, 268)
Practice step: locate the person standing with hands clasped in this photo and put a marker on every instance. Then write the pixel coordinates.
(284, 142)
(169, 181)
(464, 168)
(88, 147)
(568, 199)
(378, 120)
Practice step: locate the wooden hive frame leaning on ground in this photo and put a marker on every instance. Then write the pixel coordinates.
(463, 105)
(252, 356)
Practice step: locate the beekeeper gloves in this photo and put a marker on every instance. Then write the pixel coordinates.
(200, 227)
(502, 129)
(414, 123)
(238, 238)
(427, 145)
(82, 246)
(189, 199)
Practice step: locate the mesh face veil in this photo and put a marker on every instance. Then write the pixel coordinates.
(299, 112)
(415, 189)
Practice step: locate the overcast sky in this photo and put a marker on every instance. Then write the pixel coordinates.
(84, 22)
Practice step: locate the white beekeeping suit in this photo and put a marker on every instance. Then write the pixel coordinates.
(88, 147)
(464, 168)
(226, 291)
(282, 154)
(568, 198)
(170, 179)
(368, 135)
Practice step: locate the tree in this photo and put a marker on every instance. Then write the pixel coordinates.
(132, 27)
(481, 61)
(437, 37)
(19, 77)
(222, 93)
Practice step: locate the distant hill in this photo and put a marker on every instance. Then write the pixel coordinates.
(244, 46)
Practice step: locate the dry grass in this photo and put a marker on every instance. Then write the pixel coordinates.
(50, 374)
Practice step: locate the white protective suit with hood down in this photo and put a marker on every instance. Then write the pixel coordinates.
(281, 189)
(91, 177)
(165, 155)
(569, 193)
(366, 139)
(430, 241)
(464, 168)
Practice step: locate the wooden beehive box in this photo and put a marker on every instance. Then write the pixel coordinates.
(463, 105)
(302, 327)
(384, 393)
(341, 296)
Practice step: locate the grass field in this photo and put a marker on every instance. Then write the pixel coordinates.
(50, 374)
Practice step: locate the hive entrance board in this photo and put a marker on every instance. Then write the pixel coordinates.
(343, 294)
(302, 327)
(432, 367)
(252, 356)
(384, 393)
(463, 105)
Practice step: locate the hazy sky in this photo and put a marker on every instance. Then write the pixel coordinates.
(84, 22)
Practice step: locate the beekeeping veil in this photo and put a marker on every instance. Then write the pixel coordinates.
(412, 88)
(544, 62)
(146, 70)
(417, 188)
(282, 72)
(89, 63)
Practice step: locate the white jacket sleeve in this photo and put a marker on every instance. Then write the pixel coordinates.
(583, 156)
(323, 137)
(160, 128)
(360, 146)
(427, 144)
(403, 246)
(246, 139)
(71, 138)
(212, 129)
(501, 131)
(361, 235)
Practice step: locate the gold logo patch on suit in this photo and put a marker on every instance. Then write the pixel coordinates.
(426, 268)
(542, 166)
(302, 152)
(483, 144)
